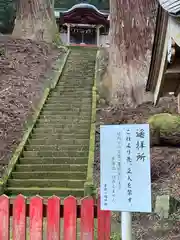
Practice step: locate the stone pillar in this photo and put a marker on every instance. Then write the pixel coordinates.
(68, 34)
(98, 35)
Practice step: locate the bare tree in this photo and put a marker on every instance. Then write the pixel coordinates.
(132, 27)
(35, 20)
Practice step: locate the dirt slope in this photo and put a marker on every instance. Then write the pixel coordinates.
(23, 67)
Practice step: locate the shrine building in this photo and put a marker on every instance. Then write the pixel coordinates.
(83, 24)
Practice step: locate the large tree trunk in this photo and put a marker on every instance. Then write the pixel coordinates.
(132, 27)
(35, 20)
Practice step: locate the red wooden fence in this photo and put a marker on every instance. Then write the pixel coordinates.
(52, 209)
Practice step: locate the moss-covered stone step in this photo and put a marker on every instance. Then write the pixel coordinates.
(53, 160)
(45, 191)
(60, 148)
(49, 175)
(65, 136)
(77, 119)
(51, 141)
(68, 125)
(69, 94)
(49, 130)
(72, 113)
(55, 183)
(68, 107)
(84, 81)
(59, 117)
(71, 91)
(72, 101)
(51, 167)
(58, 122)
(76, 100)
(46, 153)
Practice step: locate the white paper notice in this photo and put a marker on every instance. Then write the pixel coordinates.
(125, 168)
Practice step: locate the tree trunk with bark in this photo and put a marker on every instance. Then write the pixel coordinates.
(132, 27)
(35, 20)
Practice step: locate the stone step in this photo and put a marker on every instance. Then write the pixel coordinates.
(76, 81)
(45, 153)
(73, 77)
(53, 160)
(71, 104)
(61, 148)
(50, 140)
(65, 136)
(49, 175)
(69, 107)
(51, 167)
(72, 89)
(66, 130)
(75, 110)
(59, 118)
(63, 99)
(71, 113)
(61, 102)
(78, 120)
(65, 87)
(83, 125)
(50, 183)
(61, 192)
(58, 94)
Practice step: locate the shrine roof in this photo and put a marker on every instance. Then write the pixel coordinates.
(84, 6)
(83, 13)
(171, 6)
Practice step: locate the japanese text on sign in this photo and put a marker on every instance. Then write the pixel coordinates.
(125, 168)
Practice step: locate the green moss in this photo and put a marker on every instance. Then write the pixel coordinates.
(165, 122)
(89, 188)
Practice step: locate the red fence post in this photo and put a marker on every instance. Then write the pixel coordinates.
(70, 217)
(104, 223)
(4, 217)
(87, 219)
(36, 218)
(53, 218)
(19, 218)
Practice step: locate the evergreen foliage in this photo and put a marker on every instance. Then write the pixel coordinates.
(7, 16)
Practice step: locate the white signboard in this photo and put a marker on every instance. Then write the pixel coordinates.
(125, 168)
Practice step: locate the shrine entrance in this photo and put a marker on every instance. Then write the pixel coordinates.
(83, 24)
(83, 35)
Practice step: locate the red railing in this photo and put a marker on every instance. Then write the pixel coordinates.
(53, 210)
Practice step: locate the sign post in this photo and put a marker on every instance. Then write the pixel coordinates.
(125, 172)
(126, 225)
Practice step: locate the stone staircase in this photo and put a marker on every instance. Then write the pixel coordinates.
(54, 160)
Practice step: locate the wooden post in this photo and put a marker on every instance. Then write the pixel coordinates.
(68, 34)
(98, 35)
(178, 102)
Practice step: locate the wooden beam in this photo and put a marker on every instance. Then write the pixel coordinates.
(158, 46)
(163, 66)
